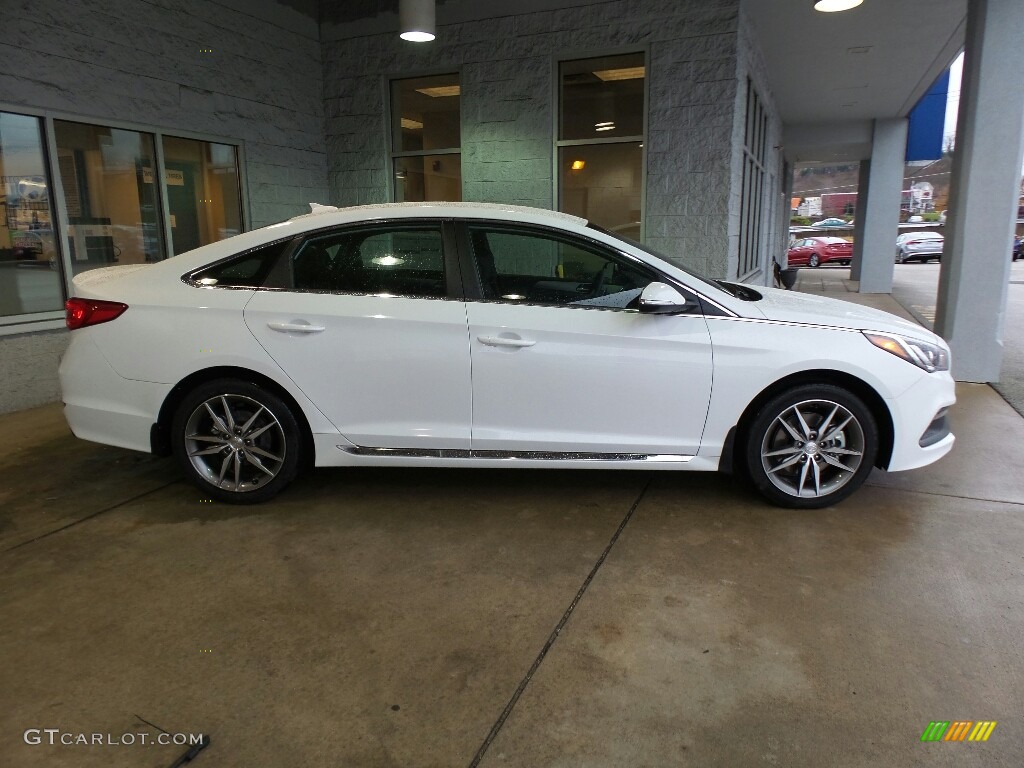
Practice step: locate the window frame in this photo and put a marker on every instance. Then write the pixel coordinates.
(279, 276)
(389, 116)
(474, 288)
(556, 117)
(41, 321)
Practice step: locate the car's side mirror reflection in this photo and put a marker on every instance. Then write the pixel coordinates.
(661, 299)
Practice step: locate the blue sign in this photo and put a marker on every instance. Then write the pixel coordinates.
(927, 120)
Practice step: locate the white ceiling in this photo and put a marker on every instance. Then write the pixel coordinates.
(833, 73)
(815, 75)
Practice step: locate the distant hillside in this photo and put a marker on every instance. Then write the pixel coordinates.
(813, 180)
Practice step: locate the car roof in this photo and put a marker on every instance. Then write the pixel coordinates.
(325, 215)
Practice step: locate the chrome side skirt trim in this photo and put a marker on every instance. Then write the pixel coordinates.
(458, 453)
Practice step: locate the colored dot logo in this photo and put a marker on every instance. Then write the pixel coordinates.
(206, 50)
(206, 650)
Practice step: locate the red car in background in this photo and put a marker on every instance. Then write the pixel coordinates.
(813, 251)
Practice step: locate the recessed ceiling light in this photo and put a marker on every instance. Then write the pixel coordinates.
(832, 6)
(440, 90)
(412, 125)
(624, 73)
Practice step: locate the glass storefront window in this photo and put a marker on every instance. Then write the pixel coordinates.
(602, 97)
(426, 138)
(29, 276)
(202, 192)
(600, 141)
(109, 181)
(603, 183)
(428, 177)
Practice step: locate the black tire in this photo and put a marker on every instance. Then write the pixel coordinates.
(798, 474)
(221, 460)
(814, 260)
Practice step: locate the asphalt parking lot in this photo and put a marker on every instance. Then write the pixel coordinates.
(456, 618)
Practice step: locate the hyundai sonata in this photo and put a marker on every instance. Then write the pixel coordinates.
(474, 335)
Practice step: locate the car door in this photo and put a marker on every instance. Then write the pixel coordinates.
(563, 361)
(369, 323)
(799, 253)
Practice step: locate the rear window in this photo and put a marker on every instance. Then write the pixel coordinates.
(247, 270)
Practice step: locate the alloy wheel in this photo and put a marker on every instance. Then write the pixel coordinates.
(812, 449)
(235, 443)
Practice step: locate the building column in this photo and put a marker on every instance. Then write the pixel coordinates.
(982, 212)
(860, 214)
(881, 218)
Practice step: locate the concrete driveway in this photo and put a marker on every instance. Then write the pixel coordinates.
(454, 618)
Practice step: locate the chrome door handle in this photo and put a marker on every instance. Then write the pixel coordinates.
(500, 341)
(295, 327)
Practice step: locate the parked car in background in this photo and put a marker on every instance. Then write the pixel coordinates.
(1015, 251)
(919, 246)
(831, 222)
(814, 251)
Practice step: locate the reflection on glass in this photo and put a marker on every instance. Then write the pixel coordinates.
(602, 97)
(202, 192)
(605, 186)
(109, 182)
(29, 276)
(425, 113)
(429, 177)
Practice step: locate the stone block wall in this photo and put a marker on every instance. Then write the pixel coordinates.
(507, 67)
(141, 62)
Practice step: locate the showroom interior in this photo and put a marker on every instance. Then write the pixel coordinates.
(460, 617)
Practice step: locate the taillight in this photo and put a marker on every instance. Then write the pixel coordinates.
(80, 313)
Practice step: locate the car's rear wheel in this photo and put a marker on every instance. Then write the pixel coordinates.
(814, 260)
(811, 446)
(237, 441)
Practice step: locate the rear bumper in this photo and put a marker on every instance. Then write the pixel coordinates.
(101, 405)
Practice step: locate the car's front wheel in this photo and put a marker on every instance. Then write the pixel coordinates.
(811, 446)
(814, 260)
(237, 441)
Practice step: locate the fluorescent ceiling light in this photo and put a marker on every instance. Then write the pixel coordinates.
(604, 126)
(624, 73)
(388, 261)
(440, 90)
(412, 125)
(832, 6)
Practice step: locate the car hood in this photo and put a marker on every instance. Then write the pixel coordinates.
(795, 307)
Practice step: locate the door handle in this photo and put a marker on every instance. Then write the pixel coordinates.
(501, 341)
(295, 327)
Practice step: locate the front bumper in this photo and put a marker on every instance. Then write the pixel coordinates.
(920, 428)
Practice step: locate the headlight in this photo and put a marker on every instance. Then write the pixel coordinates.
(923, 354)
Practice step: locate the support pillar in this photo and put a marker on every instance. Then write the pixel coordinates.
(970, 311)
(860, 214)
(881, 219)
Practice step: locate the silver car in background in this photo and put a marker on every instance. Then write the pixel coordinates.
(920, 246)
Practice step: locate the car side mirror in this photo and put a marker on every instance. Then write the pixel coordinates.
(661, 299)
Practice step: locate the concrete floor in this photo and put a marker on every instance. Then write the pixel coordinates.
(389, 618)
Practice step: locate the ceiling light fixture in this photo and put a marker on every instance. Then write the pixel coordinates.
(416, 20)
(440, 90)
(604, 126)
(833, 6)
(578, 165)
(623, 73)
(412, 125)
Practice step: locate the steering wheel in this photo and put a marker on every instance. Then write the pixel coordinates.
(600, 279)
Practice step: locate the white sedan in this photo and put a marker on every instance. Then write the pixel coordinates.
(474, 335)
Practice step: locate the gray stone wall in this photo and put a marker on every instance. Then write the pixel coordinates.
(141, 62)
(507, 67)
